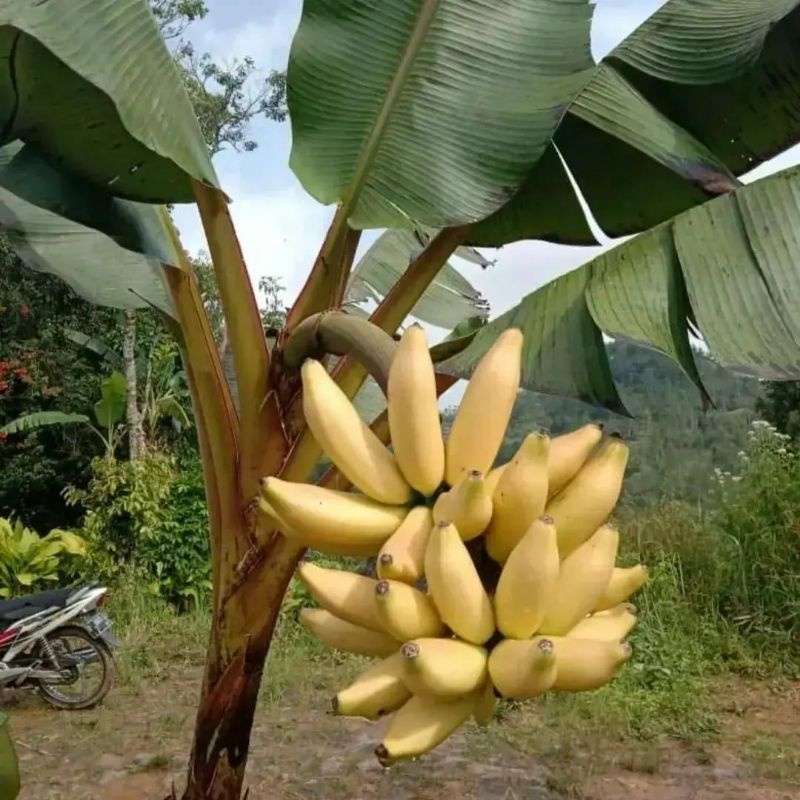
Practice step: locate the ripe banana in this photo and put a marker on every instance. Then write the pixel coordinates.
(349, 596)
(414, 413)
(521, 669)
(585, 664)
(405, 612)
(377, 692)
(493, 478)
(623, 583)
(482, 418)
(520, 496)
(422, 724)
(347, 439)
(456, 586)
(443, 667)
(486, 704)
(316, 541)
(528, 581)
(468, 506)
(402, 556)
(583, 578)
(588, 500)
(568, 453)
(331, 521)
(608, 626)
(342, 635)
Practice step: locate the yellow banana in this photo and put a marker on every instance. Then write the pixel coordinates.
(585, 664)
(414, 413)
(317, 540)
(331, 521)
(468, 506)
(521, 669)
(528, 581)
(485, 705)
(405, 612)
(402, 556)
(347, 439)
(493, 478)
(609, 626)
(456, 586)
(377, 692)
(443, 667)
(588, 500)
(520, 496)
(349, 596)
(422, 724)
(582, 579)
(482, 418)
(343, 635)
(623, 583)
(568, 453)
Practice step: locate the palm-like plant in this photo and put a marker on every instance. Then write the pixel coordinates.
(465, 118)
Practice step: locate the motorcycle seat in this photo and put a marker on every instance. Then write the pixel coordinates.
(20, 607)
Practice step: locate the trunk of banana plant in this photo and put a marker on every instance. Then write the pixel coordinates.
(261, 435)
(136, 444)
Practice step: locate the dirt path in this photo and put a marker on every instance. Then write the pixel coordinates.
(134, 747)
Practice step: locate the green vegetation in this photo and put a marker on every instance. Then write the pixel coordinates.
(29, 562)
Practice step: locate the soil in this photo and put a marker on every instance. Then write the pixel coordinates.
(134, 747)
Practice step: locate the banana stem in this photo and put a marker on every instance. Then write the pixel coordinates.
(342, 335)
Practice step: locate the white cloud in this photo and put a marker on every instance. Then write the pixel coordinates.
(266, 40)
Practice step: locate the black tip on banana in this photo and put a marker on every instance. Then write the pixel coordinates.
(383, 755)
(386, 559)
(547, 520)
(626, 647)
(474, 474)
(631, 608)
(382, 588)
(545, 647)
(443, 523)
(600, 425)
(410, 650)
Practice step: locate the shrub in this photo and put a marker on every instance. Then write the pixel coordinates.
(148, 516)
(29, 561)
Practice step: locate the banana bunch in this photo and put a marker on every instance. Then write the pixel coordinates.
(492, 582)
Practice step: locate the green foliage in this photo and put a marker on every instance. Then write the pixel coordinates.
(28, 561)
(780, 405)
(109, 409)
(148, 517)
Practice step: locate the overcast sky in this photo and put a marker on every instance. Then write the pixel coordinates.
(281, 227)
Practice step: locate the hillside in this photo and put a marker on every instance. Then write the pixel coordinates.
(675, 444)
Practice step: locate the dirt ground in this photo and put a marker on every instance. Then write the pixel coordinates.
(135, 746)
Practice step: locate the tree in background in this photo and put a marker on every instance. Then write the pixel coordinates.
(780, 405)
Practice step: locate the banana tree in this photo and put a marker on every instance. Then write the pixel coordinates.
(469, 121)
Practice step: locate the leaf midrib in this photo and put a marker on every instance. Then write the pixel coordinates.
(372, 144)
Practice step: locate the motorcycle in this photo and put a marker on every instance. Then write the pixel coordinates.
(59, 643)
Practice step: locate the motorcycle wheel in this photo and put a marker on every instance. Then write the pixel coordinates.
(89, 683)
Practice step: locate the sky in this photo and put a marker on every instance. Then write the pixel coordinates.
(281, 227)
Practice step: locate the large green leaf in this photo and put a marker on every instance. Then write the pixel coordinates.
(434, 110)
(699, 94)
(93, 84)
(114, 397)
(448, 301)
(41, 211)
(727, 268)
(42, 419)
